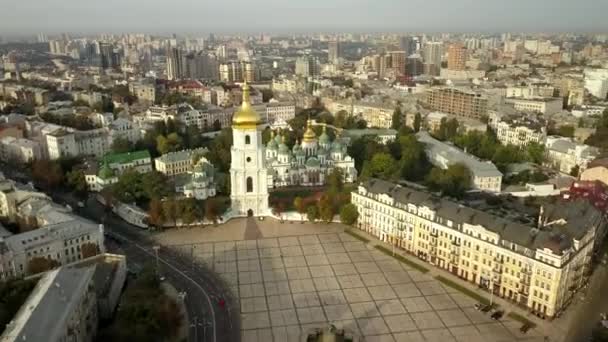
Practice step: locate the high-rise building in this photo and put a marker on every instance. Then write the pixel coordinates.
(200, 65)
(175, 64)
(42, 38)
(432, 58)
(457, 57)
(237, 72)
(307, 66)
(107, 58)
(398, 61)
(407, 44)
(414, 65)
(334, 52)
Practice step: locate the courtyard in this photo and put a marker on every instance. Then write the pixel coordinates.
(291, 278)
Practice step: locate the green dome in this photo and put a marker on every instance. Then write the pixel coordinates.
(322, 152)
(106, 172)
(324, 138)
(336, 146)
(300, 152)
(272, 145)
(313, 162)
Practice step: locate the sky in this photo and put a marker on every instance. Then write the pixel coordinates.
(198, 16)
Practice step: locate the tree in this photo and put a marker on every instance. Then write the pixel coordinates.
(349, 214)
(566, 131)
(48, 173)
(88, 250)
(171, 210)
(76, 180)
(535, 153)
(312, 213)
(454, 181)
(397, 118)
(575, 171)
(278, 208)
(194, 139)
(41, 264)
(326, 208)
(155, 213)
(13, 294)
(188, 210)
(217, 125)
(413, 163)
(382, 165)
(300, 206)
(171, 143)
(121, 145)
(340, 119)
(417, 122)
(211, 210)
(335, 181)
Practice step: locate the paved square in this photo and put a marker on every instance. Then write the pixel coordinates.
(288, 285)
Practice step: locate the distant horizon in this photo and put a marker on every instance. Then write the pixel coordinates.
(30, 17)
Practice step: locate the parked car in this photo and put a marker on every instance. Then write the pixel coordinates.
(497, 315)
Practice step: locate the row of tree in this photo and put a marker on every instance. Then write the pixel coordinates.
(79, 122)
(185, 211)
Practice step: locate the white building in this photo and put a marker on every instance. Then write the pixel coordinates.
(60, 242)
(61, 307)
(520, 132)
(198, 183)
(564, 154)
(61, 144)
(540, 266)
(279, 111)
(485, 176)
(175, 163)
(310, 162)
(596, 82)
(123, 129)
(248, 172)
(19, 150)
(543, 105)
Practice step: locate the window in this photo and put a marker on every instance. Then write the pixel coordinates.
(247, 140)
(249, 184)
(248, 159)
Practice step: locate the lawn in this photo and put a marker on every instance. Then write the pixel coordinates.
(463, 290)
(403, 259)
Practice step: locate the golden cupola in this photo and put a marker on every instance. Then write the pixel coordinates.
(309, 135)
(246, 116)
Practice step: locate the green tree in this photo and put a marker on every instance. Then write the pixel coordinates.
(340, 119)
(155, 185)
(397, 118)
(76, 180)
(171, 143)
(155, 213)
(211, 210)
(535, 153)
(349, 214)
(417, 122)
(454, 181)
(121, 145)
(335, 181)
(188, 210)
(194, 139)
(566, 131)
(413, 163)
(382, 165)
(13, 293)
(575, 171)
(312, 213)
(299, 205)
(326, 208)
(171, 210)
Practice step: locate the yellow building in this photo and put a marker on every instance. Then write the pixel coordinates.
(538, 266)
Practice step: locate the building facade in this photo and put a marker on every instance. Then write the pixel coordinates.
(538, 266)
(521, 132)
(175, 163)
(459, 102)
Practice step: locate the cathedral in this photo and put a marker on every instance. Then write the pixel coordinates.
(309, 162)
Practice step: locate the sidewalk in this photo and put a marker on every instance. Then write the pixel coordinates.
(546, 328)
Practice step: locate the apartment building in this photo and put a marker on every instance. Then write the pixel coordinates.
(484, 175)
(460, 102)
(280, 111)
(19, 150)
(543, 105)
(175, 163)
(564, 154)
(520, 131)
(539, 266)
(61, 307)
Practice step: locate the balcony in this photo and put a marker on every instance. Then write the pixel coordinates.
(455, 243)
(497, 269)
(499, 260)
(434, 234)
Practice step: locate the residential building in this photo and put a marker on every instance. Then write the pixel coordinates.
(564, 154)
(140, 161)
(530, 91)
(539, 266)
(596, 82)
(521, 131)
(309, 162)
(175, 64)
(61, 307)
(61, 143)
(145, 92)
(383, 135)
(334, 52)
(280, 111)
(484, 175)
(457, 57)
(174, 163)
(307, 66)
(238, 72)
(543, 105)
(460, 102)
(432, 54)
(20, 150)
(61, 242)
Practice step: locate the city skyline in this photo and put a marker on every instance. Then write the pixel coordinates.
(183, 16)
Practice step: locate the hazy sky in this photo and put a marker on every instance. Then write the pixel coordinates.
(30, 16)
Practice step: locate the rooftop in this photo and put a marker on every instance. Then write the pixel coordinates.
(564, 221)
(182, 155)
(125, 158)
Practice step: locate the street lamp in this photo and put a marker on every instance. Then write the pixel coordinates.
(156, 249)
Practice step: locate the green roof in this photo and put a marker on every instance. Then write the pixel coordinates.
(106, 172)
(125, 158)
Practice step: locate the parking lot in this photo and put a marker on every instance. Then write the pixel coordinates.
(289, 285)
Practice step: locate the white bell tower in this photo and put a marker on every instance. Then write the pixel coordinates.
(248, 173)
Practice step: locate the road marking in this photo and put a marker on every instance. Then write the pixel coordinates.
(183, 275)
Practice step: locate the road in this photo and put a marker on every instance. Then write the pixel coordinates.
(208, 320)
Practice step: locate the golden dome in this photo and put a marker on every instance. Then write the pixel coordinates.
(246, 116)
(309, 135)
